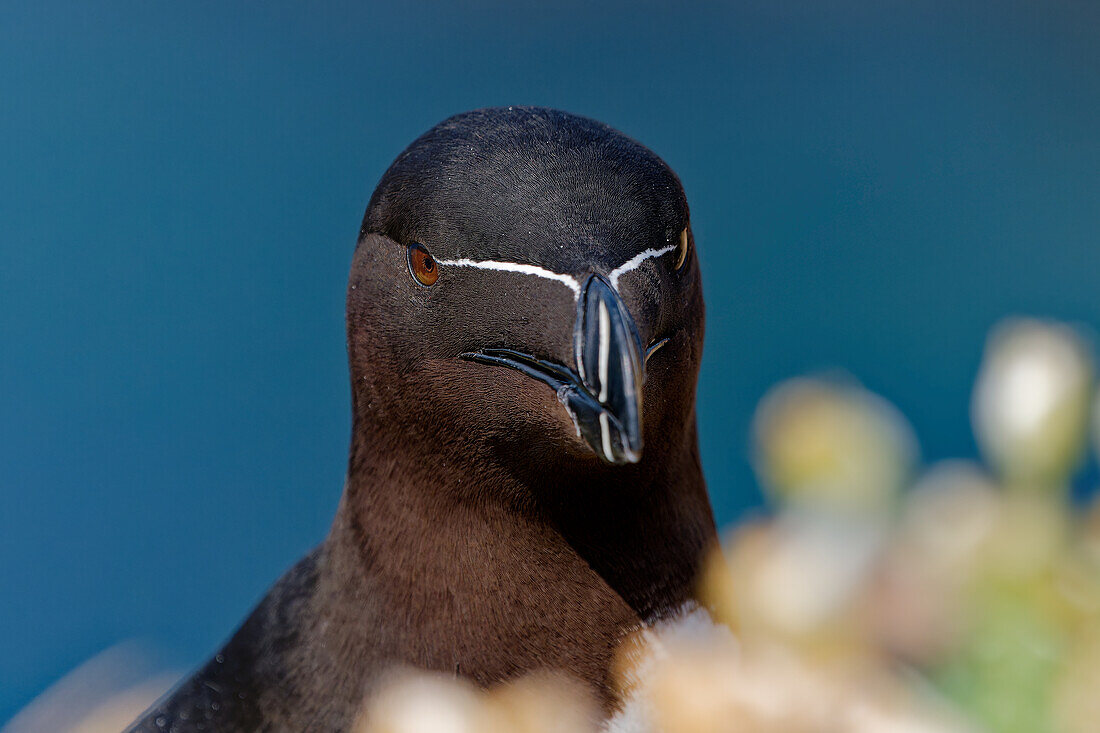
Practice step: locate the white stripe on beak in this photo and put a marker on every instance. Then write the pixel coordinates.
(605, 348)
(605, 436)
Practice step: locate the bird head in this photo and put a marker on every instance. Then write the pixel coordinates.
(525, 278)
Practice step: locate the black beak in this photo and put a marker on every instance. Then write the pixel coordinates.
(604, 394)
(609, 359)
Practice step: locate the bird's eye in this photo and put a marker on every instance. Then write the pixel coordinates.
(422, 265)
(682, 249)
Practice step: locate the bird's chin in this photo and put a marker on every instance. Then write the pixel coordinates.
(604, 433)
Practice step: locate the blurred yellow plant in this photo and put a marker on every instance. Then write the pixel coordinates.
(830, 443)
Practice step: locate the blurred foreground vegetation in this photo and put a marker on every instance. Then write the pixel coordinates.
(879, 595)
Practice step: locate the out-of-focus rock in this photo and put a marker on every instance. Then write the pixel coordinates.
(701, 680)
(419, 702)
(102, 695)
(539, 703)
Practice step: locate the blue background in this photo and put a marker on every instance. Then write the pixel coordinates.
(873, 185)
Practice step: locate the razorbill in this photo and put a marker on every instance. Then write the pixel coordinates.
(524, 331)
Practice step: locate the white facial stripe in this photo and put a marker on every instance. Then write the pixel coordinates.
(605, 348)
(568, 280)
(634, 262)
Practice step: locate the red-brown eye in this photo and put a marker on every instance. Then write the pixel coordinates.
(422, 265)
(682, 249)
